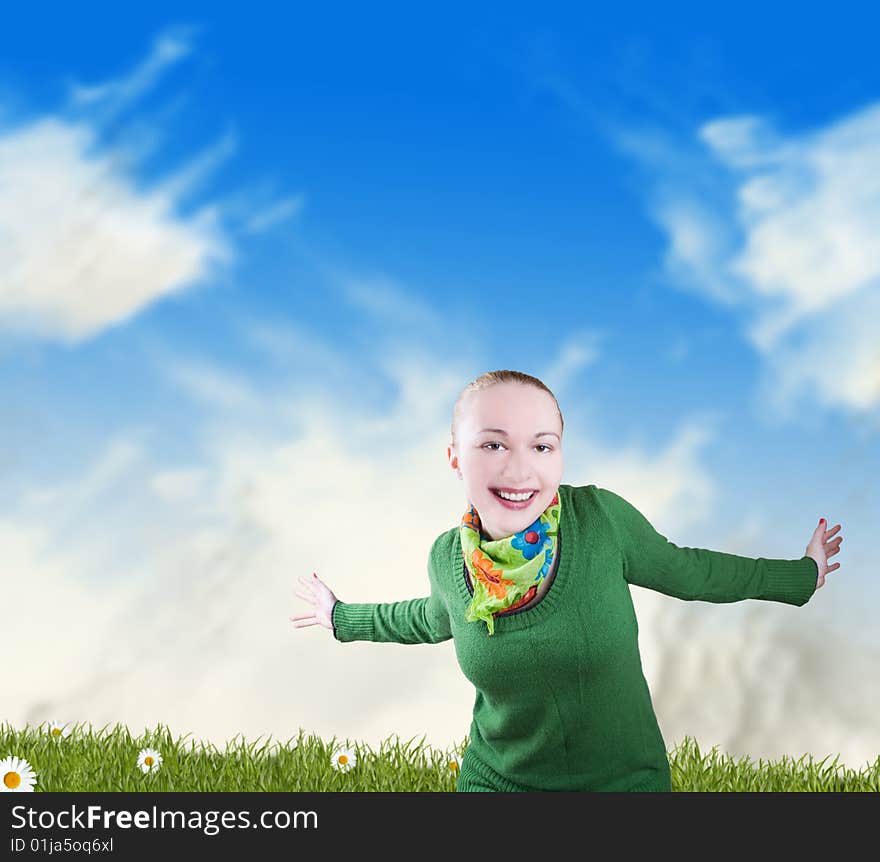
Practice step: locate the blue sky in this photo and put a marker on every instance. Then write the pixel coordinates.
(248, 264)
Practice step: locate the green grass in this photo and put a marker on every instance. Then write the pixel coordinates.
(88, 761)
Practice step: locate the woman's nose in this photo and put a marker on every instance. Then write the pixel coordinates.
(518, 471)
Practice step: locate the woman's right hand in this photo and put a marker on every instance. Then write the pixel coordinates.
(323, 600)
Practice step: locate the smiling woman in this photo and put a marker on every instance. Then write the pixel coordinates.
(507, 437)
(507, 448)
(548, 638)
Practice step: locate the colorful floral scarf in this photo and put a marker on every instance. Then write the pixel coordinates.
(505, 573)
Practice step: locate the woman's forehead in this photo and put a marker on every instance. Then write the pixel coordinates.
(513, 404)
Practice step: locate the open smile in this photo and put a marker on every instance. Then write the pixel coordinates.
(514, 504)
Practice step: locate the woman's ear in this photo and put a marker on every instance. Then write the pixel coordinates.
(453, 459)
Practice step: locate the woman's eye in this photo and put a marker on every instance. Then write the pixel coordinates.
(539, 446)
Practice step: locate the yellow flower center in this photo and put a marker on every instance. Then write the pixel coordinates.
(343, 758)
(56, 731)
(148, 760)
(12, 780)
(453, 765)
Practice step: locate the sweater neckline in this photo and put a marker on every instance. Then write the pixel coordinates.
(555, 592)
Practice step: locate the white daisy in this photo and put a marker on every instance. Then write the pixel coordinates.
(16, 775)
(149, 760)
(58, 730)
(344, 759)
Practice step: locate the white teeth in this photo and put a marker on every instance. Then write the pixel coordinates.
(515, 498)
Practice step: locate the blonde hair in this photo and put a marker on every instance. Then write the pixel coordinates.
(490, 378)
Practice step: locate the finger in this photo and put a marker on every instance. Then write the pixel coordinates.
(302, 617)
(835, 566)
(312, 581)
(831, 532)
(304, 596)
(312, 622)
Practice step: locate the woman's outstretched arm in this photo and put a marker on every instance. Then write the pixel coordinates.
(650, 560)
(422, 620)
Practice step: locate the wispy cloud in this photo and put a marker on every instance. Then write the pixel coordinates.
(88, 245)
(274, 214)
(111, 97)
(382, 297)
(783, 225)
(116, 460)
(578, 350)
(185, 180)
(671, 479)
(212, 385)
(85, 249)
(293, 346)
(181, 485)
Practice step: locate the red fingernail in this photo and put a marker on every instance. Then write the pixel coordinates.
(821, 520)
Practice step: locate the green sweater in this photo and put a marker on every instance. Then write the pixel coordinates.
(561, 699)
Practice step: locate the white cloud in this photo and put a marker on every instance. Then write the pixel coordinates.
(385, 299)
(113, 96)
(577, 351)
(784, 226)
(115, 462)
(206, 382)
(696, 243)
(669, 480)
(274, 214)
(292, 345)
(184, 180)
(178, 485)
(86, 245)
(58, 623)
(85, 249)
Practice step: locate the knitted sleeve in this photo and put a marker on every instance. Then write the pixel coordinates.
(412, 621)
(650, 560)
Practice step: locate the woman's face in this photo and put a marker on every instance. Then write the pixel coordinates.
(510, 457)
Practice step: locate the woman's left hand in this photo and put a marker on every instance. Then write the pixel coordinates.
(820, 549)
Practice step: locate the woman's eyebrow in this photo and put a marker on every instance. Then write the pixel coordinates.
(502, 431)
